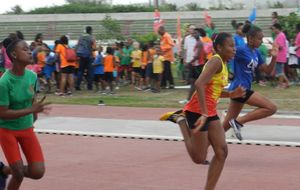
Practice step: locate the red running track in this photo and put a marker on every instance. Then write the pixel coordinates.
(109, 112)
(93, 163)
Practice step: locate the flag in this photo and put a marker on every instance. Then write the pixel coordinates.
(252, 16)
(157, 21)
(207, 19)
(179, 37)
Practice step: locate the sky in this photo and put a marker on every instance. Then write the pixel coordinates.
(27, 5)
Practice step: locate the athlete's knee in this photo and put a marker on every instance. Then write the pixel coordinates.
(37, 173)
(18, 174)
(273, 109)
(225, 124)
(199, 160)
(221, 153)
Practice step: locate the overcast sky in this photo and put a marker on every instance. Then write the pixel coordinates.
(27, 5)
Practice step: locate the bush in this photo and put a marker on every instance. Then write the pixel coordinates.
(90, 8)
(289, 23)
(112, 29)
(146, 38)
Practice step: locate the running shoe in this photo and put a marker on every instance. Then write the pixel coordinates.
(236, 126)
(171, 116)
(183, 101)
(3, 177)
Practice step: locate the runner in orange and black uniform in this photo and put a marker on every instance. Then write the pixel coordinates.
(202, 124)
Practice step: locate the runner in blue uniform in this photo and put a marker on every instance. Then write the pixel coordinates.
(248, 58)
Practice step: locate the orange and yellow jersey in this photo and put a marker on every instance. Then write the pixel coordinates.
(213, 92)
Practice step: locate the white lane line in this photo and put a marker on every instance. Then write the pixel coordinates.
(167, 138)
(275, 116)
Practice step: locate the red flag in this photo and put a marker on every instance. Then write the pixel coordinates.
(179, 37)
(157, 21)
(207, 18)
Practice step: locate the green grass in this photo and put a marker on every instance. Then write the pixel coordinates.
(285, 99)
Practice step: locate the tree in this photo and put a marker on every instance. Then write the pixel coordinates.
(88, 1)
(146, 38)
(112, 29)
(168, 7)
(16, 10)
(193, 7)
(289, 23)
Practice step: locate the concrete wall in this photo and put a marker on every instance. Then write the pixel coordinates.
(235, 3)
(55, 25)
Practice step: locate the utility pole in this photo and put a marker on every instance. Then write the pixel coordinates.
(156, 4)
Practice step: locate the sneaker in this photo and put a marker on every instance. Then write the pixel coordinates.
(236, 126)
(59, 94)
(155, 91)
(183, 101)
(171, 116)
(69, 93)
(262, 83)
(3, 177)
(146, 89)
(138, 88)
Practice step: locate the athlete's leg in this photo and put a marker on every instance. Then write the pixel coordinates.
(264, 108)
(216, 135)
(232, 113)
(195, 143)
(34, 155)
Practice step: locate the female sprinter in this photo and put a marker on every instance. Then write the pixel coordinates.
(17, 113)
(246, 59)
(203, 125)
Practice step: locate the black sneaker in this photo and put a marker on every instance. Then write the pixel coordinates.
(236, 126)
(171, 116)
(3, 177)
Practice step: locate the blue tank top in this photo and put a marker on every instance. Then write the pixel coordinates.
(244, 64)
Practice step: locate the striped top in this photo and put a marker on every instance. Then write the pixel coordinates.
(213, 92)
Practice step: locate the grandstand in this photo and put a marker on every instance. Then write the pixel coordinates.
(53, 26)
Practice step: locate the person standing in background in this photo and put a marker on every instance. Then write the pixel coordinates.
(166, 46)
(84, 49)
(281, 60)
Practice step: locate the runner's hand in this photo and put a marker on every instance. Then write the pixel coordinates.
(41, 106)
(199, 123)
(238, 92)
(274, 50)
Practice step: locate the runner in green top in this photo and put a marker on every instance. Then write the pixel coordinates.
(17, 111)
(17, 93)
